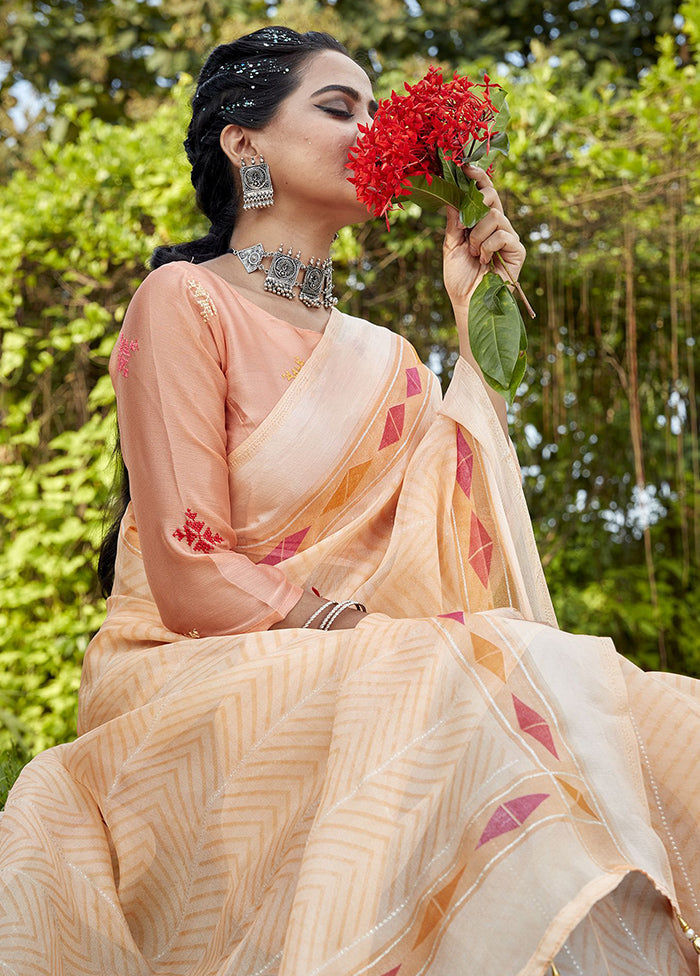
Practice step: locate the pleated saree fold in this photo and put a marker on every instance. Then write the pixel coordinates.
(455, 787)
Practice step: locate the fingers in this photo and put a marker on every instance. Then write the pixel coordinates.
(492, 233)
(510, 250)
(454, 230)
(483, 182)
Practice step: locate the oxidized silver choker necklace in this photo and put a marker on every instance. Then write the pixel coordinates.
(316, 286)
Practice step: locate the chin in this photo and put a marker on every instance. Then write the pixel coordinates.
(348, 203)
(361, 215)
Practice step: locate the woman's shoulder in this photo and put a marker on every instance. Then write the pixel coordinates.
(180, 288)
(178, 276)
(200, 287)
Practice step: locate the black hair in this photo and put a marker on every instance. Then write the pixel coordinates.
(243, 83)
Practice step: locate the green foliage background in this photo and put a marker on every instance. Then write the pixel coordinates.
(602, 184)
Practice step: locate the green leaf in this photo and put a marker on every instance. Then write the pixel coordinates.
(497, 335)
(510, 391)
(435, 195)
(472, 206)
(450, 170)
(501, 120)
(471, 202)
(499, 143)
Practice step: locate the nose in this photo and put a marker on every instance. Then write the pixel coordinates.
(364, 118)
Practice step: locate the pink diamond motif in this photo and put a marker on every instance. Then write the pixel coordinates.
(533, 723)
(457, 615)
(284, 549)
(480, 550)
(522, 806)
(510, 815)
(413, 383)
(393, 428)
(465, 464)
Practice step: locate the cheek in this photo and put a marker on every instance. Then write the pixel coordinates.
(330, 155)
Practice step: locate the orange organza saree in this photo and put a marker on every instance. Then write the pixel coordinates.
(453, 788)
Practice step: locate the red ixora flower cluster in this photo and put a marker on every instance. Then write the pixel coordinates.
(408, 130)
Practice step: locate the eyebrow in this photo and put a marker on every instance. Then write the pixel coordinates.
(373, 105)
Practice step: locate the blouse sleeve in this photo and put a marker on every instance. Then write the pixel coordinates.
(168, 370)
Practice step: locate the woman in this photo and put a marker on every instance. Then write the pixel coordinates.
(329, 725)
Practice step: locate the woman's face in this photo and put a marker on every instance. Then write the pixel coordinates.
(306, 144)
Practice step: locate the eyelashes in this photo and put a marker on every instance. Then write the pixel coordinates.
(337, 112)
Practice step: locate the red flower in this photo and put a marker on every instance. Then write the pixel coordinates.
(408, 130)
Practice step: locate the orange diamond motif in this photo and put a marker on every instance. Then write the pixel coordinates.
(489, 656)
(577, 798)
(432, 918)
(437, 907)
(347, 486)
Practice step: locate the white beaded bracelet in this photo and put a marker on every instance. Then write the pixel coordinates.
(329, 603)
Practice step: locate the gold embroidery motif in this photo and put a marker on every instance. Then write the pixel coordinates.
(289, 374)
(207, 308)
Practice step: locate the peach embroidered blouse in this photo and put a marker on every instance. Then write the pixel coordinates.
(196, 368)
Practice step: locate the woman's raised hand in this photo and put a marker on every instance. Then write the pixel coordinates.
(467, 253)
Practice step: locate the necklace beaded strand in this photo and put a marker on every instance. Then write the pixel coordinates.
(282, 274)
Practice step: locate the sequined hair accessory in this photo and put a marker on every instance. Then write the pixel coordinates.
(245, 71)
(278, 35)
(282, 274)
(252, 68)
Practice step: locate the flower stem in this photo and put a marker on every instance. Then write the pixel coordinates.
(530, 310)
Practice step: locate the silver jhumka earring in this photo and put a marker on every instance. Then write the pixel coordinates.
(256, 184)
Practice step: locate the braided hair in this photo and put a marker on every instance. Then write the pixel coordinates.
(242, 83)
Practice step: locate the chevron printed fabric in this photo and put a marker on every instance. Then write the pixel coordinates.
(453, 788)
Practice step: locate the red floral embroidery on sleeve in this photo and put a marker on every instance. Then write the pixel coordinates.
(198, 536)
(126, 347)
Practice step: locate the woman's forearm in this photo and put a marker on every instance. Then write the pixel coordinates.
(308, 605)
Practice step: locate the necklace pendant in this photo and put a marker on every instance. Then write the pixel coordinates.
(311, 286)
(329, 301)
(251, 257)
(282, 274)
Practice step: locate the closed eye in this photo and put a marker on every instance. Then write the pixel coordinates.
(338, 112)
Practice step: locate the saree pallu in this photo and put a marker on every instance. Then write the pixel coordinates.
(453, 788)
